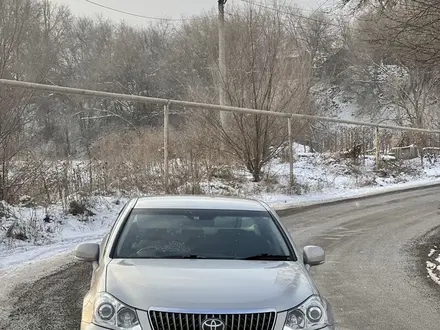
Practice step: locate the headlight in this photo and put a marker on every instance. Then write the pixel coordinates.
(110, 313)
(310, 315)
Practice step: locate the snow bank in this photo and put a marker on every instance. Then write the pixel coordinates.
(282, 203)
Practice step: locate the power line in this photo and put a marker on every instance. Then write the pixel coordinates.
(258, 4)
(186, 19)
(261, 5)
(136, 15)
(320, 6)
(310, 10)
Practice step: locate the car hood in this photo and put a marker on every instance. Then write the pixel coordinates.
(208, 284)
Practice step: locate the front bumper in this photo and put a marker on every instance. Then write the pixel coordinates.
(87, 326)
(145, 323)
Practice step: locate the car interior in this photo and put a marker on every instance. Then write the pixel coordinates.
(155, 236)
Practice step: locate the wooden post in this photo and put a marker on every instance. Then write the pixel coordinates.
(377, 149)
(166, 113)
(364, 148)
(289, 130)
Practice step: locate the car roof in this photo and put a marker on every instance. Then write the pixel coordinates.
(199, 202)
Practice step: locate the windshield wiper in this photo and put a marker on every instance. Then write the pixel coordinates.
(267, 256)
(184, 256)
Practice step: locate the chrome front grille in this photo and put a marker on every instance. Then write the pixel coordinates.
(186, 321)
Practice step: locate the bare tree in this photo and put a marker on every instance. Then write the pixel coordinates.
(265, 71)
(407, 27)
(17, 20)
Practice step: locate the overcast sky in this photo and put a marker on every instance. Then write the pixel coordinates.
(160, 8)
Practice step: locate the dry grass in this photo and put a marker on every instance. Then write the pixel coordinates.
(129, 162)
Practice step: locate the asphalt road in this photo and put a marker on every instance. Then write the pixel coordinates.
(374, 275)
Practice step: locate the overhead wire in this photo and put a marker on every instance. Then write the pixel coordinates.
(261, 5)
(322, 4)
(254, 3)
(136, 15)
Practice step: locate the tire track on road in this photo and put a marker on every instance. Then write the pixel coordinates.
(51, 303)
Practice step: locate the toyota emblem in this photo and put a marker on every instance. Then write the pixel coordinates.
(213, 324)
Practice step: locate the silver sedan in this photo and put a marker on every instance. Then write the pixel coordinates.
(201, 263)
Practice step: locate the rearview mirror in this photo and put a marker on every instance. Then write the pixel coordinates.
(313, 255)
(87, 252)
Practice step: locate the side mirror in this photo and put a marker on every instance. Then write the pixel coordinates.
(313, 255)
(87, 252)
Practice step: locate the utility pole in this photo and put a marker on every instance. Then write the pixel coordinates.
(377, 149)
(222, 58)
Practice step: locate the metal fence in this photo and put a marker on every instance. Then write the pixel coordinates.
(168, 104)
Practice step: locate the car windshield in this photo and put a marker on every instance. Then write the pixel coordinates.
(204, 234)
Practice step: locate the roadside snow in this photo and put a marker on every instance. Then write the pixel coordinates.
(433, 265)
(60, 235)
(281, 202)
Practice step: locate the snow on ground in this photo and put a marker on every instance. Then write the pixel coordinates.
(59, 235)
(433, 265)
(318, 178)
